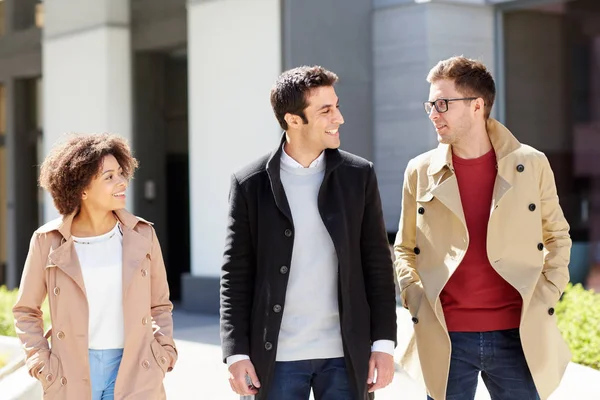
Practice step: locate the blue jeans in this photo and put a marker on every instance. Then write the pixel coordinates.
(499, 357)
(104, 365)
(328, 379)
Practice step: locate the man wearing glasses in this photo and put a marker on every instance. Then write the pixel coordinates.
(482, 250)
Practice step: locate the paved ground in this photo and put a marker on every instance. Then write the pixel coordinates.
(200, 374)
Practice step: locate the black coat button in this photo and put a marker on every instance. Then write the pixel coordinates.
(551, 311)
(540, 246)
(288, 232)
(421, 210)
(415, 320)
(520, 168)
(277, 308)
(268, 346)
(417, 250)
(532, 207)
(283, 270)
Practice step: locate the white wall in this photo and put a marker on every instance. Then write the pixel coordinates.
(234, 55)
(87, 87)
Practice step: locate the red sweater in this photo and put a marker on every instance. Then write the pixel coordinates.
(476, 298)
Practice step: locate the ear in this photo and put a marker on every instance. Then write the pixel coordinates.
(84, 196)
(479, 105)
(293, 121)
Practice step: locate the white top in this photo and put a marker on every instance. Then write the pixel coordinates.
(101, 260)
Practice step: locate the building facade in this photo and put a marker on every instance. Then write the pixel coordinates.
(187, 82)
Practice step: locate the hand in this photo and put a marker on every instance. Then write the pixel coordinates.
(383, 363)
(238, 374)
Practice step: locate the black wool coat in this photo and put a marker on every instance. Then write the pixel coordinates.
(258, 252)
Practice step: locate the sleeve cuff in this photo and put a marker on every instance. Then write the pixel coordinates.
(384, 346)
(235, 358)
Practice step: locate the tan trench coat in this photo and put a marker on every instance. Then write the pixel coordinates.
(52, 267)
(529, 249)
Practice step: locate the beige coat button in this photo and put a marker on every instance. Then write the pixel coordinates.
(60, 335)
(56, 291)
(163, 360)
(144, 272)
(145, 321)
(49, 378)
(146, 364)
(63, 381)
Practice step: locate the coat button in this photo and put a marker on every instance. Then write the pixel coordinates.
(532, 207)
(63, 381)
(288, 232)
(60, 335)
(144, 272)
(268, 346)
(145, 321)
(145, 364)
(49, 378)
(415, 320)
(520, 168)
(283, 270)
(277, 308)
(421, 210)
(417, 250)
(551, 311)
(540, 246)
(163, 360)
(56, 291)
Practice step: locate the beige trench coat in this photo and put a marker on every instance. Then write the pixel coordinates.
(63, 368)
(529, 249)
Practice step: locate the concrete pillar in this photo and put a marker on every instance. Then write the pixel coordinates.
(87, 72)
(408, 40)
(234, 56)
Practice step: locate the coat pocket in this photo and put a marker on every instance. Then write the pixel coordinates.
(50, 376)
(160, 356)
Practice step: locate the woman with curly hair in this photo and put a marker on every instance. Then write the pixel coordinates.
(103, 272)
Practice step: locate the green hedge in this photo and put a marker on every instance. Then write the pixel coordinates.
(578, 315)
(8, 298)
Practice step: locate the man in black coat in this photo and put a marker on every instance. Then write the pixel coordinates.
(307, 287)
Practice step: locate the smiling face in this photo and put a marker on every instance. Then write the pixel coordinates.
(324, 119)
(106, 191)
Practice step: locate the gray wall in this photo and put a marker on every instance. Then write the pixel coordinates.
(408, 40)
(158, 24)
(336, 34)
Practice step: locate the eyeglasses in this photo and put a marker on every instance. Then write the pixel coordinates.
(441, 105)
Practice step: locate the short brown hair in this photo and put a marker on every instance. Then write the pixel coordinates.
(291, 90)
(72, 164)
(471, 78)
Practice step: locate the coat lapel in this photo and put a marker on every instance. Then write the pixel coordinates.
(446, 188)
(448, 194)
(330, 206)
(136, 248)
(64, 255)
(274, 172)
(65, 258)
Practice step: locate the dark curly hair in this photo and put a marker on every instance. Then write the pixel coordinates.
(289, 94)
(72, 164)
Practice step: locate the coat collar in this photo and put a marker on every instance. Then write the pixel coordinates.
(64, 223)
(501, 138)
(63, 255)
(333, 159)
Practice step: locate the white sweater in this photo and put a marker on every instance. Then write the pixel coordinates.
(101, 260)
(310, 328)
